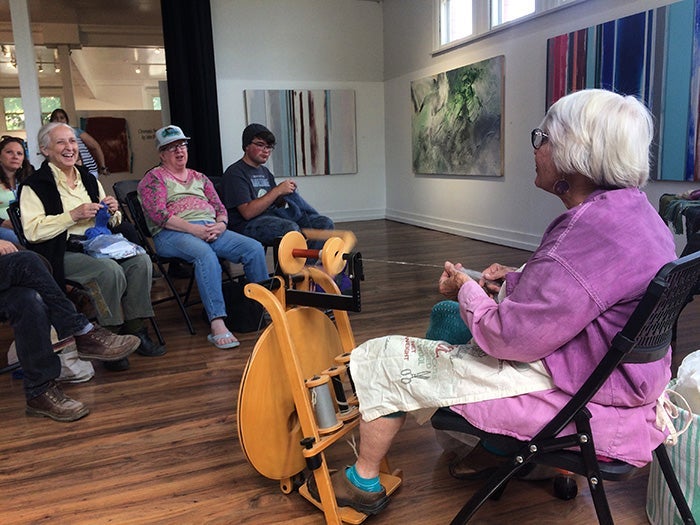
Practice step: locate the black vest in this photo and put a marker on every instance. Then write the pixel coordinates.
(44, 185)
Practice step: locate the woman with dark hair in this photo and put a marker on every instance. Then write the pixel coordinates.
(14, 168)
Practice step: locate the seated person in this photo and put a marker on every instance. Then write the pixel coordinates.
(557, 318)
(257, 206)
(188, 220)
(60, 199)
(14, 167)
(32, 302)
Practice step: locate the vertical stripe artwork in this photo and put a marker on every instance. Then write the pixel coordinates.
(315, 129)
(653, 55)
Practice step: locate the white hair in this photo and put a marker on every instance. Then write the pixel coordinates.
(43, 137)
(601, 135)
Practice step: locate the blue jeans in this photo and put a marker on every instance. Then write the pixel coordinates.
(7, 234)
(32, 302)
(204, 255)
(266, 228)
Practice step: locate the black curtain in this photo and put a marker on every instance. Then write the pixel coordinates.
(189, 57)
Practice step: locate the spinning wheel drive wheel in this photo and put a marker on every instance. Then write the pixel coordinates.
(268, 426)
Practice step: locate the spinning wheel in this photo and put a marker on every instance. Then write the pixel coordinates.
(275, 411)
(265, 402)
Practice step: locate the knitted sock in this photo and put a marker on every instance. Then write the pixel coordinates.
(366, 484)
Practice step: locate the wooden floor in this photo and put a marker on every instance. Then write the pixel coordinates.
(161, 444)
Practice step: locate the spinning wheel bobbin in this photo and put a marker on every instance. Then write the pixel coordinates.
(324, 409)
(293, 252)
(345, 410)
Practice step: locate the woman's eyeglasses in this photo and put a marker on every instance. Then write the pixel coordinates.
(538, 137)
(175, 147)
(9, 138)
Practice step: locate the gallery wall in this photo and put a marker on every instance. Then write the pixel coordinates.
(506, 210)
(377, 49)
(317, 44)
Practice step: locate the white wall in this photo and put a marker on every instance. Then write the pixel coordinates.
(343, 44)
(317, 44)
(506, 210)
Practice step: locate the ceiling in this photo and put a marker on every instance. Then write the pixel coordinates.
(110, 41)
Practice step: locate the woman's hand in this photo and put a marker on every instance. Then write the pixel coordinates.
(111, 203)
(87, 210)
(7, 247)
(208, 232)
(493, 277)
(451, 280)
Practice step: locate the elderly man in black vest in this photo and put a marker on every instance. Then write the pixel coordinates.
(62, 198)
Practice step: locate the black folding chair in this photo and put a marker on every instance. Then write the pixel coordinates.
(644, 338)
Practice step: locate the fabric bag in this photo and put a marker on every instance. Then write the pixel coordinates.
(243, 313)
(685, 460)
(112, 246)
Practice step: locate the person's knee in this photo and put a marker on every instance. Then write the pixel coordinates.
(26, 302)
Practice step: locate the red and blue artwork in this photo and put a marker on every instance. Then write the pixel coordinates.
(653, 55)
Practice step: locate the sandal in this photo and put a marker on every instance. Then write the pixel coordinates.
(214, 339)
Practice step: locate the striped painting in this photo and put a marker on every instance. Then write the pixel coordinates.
(315, 129)
(653, 55)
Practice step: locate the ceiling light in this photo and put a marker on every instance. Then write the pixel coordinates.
(41, 67)
(57, 68)
(137, 69)
(157, 51)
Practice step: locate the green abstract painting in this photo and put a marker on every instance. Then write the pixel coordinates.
(457, 121)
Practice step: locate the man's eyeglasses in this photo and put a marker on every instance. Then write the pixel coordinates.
(173, 148)
(538, 137)
(263, 145)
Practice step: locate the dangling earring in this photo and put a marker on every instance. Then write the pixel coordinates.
(561, 187)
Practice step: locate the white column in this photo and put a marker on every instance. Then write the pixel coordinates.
(28, 76)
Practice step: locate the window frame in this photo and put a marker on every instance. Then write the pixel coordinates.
(481, 17)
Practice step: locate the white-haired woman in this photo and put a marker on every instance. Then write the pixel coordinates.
(62, 198)
(559, 314)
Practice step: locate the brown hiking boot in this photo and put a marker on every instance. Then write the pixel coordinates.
(348, 495)
(55, 404)
(102, 345)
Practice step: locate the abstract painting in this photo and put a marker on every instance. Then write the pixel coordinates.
(653, 55)
(314, 129)
(457, 121)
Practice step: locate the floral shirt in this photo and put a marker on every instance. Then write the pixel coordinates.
(163, 196)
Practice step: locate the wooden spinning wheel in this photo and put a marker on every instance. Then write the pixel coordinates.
(275, 414)
(265, 402)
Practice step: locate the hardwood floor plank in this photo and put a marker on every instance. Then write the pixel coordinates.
(161, 445)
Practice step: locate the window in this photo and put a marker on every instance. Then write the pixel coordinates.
(455, 20)
(503, 11)
(14, 112)
(155, 103)
(458, 20)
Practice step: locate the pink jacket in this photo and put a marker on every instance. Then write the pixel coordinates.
(575, 293)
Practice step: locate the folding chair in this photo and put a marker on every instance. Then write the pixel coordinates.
(121, 189)
(644, 338)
